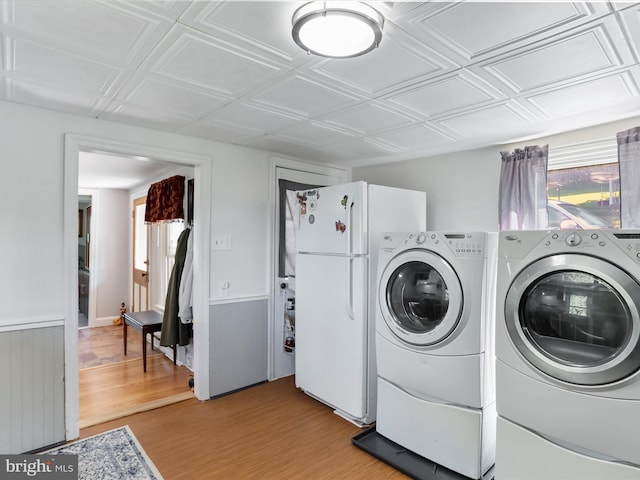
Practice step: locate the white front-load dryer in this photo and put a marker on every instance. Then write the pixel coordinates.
(568, 355)
(434, 346)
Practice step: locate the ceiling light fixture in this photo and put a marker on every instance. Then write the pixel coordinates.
(337, 29)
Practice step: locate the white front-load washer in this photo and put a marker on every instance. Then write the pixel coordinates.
(568, 355)
(434, 347)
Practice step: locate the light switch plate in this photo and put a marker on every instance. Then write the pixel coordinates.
(221, 242)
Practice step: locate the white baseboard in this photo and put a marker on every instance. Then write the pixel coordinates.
(181, 352)
(102, 322)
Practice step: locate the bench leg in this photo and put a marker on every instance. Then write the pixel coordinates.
(144, 350)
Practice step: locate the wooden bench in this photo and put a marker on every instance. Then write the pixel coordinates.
(146, 323)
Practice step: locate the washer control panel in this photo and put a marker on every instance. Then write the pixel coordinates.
(465, 244)
(461, 244)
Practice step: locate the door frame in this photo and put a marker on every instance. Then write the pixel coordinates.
(274, 164)
(203, 170)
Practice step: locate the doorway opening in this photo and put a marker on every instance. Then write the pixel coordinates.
(288, 176)
(121, 254)
(200, 165)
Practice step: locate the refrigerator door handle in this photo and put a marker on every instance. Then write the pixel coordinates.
(350, 311)
(349, 228)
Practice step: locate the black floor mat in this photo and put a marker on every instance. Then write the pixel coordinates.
(409, 463)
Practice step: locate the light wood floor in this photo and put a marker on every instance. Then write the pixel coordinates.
(120, 389)
(104, 345)
(270, 431)
(112, 390)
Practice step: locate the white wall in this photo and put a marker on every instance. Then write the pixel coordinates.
(461, 194)
(462, 188)
(32, 184)
(111, 266)
(31, 237)
(32, 248)
(240, 210)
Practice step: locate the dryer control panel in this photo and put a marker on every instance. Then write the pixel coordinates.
(517, 244)
(596, 240)
(630, 242)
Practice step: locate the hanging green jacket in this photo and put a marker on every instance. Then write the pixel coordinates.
(174, 332)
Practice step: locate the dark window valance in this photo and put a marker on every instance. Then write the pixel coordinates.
(164, 200)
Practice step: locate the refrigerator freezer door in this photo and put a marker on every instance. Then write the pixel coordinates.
(333, 220)
(331, 331)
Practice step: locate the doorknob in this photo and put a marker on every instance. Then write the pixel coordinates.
(144, 274)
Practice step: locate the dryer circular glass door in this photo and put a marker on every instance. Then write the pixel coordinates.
(420, 297)
(576, 318)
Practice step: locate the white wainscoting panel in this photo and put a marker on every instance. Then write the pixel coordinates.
(32, 395)
(238, 345)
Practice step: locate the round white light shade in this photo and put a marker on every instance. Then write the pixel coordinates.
(337, 29)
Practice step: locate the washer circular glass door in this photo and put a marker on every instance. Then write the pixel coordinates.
(576, 318)
(420, 297)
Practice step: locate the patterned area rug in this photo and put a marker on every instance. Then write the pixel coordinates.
(112, 455)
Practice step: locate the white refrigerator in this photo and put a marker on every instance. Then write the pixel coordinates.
(336, 243)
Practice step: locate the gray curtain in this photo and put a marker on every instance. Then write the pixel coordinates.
(523, 189)
(629, 165)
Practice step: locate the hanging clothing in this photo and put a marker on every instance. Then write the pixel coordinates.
(523, 189)
(165, 200)
(185, 293)
(173, 331)
(289, 208)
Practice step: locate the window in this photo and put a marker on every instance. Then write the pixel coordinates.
(583, 185)
(578, 305)
(173, 231)
(166, 235)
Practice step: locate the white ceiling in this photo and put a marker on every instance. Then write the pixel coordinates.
(98, 170)
(447, 76)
